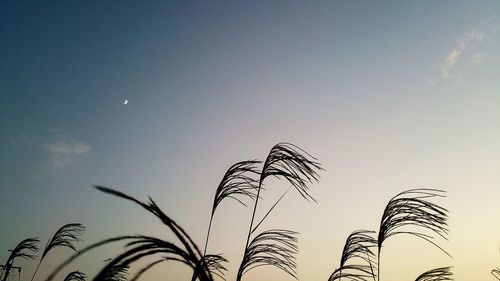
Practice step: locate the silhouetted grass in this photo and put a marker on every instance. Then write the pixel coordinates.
(215, 266)
(75, 276)
(299, 168)
(276, 247)
(146, 246)
(437, 274)
(496, 273)
(357, 260)
(26, 249)
(237, 184)
(140, 246)
(410, 212)
(64, 237)
(113, 273)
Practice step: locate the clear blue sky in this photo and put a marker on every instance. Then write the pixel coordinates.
(387, 95)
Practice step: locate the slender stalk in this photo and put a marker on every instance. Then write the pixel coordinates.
(195, 273)
(378, 265)
(208, 234)
(37, 267)
(240, 270)
(40, 262)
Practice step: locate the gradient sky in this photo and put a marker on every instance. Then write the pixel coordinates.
(387, 95)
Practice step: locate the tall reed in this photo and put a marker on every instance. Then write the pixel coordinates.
(410, 212)
(26, 249)
(299, 168)
(138, 247)
(357, 260)
(238, 183)
(64, 237)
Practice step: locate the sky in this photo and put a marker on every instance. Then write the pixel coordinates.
(388, 95)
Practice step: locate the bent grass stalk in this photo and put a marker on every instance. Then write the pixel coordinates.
(141, 246)
(237, 184)
(26, 249)
(64, 237)
(412, 208)
(290, 162)
(357, 248)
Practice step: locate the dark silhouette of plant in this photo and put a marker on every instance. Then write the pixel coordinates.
(146, 268)
(276, 247)
(25, 250)
(140, 246)
(357, 249)
(437, 274)
(412, 209)
(299, 168)
(496, 273)
(214, 264)
(237, 182)
(64, 237)
(75, 276)
(113, 273)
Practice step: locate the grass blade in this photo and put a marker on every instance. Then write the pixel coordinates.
(437, 274)
(75, 276)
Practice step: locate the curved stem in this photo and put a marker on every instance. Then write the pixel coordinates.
(40, 262)
(240, 269)
(208, 234)
(378, 265)
(195, 273)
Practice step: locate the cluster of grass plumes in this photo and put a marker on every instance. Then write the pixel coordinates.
(26, 249)
(357, 261)
(410, 212)
(293, 164)
(243, 182)
(238, 183)
(276, 247)
(65, 236)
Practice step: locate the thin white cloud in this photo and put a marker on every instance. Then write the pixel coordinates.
(466, 42)
(478, 58)
(63, 152)
(450, 61)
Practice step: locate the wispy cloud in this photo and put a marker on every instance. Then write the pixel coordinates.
(64, 152)
(478, 58)
(466, 42)
(468, 48)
